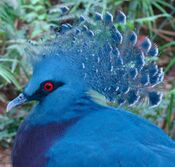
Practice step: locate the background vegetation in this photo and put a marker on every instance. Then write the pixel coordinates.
(30, 19)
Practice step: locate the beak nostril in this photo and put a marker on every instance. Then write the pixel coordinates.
(20, 96)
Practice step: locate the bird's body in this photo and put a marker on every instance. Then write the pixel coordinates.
(101, 137)
(67, 128)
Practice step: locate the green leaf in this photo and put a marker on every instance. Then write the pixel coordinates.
(166, 4)
(39, 8)
(42, 17)
(31, 16)
(170, 44)
(159, 7)
(152, 18)
(170, 111)
(36, 32)
(170, 65)
(4, 134)
(34, 1)
(8, 76)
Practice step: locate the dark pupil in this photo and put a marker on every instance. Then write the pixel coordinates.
(48, 86)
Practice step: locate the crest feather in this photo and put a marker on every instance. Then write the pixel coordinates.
(110, 60)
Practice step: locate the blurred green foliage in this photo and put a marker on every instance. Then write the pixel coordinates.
(30, 19)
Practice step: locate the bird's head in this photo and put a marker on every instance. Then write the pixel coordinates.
(53, 78)
(95, 56)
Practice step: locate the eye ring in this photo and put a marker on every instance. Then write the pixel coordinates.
(48, 86)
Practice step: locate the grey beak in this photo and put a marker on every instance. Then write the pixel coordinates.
(16, 102)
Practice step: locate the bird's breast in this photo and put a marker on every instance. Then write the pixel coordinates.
(31, 144)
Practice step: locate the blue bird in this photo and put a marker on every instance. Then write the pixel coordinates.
(67, 127)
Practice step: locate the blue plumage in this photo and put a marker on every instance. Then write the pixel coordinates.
(67, 128)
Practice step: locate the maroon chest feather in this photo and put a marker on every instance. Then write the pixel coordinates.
(32, 144)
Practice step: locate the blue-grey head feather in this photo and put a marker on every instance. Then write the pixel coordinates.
(107, 59)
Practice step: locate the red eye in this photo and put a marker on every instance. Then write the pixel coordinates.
(48, 86)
